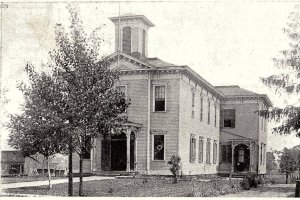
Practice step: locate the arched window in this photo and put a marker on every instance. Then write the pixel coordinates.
(126, 44)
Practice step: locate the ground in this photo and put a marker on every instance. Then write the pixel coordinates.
(269, 190)
(19, 179)
(140, 187)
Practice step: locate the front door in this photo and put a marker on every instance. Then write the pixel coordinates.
(241, 158)
(118, 152)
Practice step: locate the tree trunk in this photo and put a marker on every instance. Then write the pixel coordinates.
(80, 176)
(49, 174)
(286, 178)
(70, 184)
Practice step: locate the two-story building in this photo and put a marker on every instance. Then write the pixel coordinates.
(174, 111)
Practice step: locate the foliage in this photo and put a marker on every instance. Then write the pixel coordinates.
(287, 82)
(288, 161)
(250, 180)
(74, 98)
(271, 163)
(175, 167)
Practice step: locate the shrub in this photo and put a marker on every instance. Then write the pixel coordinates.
(245, 184)
(175, 167)
(250, 180)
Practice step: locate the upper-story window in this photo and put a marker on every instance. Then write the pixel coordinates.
(215, 118)
(193, 103)
(208, 113)
(122, 89)
(160, 98)
(228, 118)
(201, 108)
(144, 42)
(126, 43)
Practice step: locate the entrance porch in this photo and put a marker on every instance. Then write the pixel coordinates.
(238, 156)
(118, 152)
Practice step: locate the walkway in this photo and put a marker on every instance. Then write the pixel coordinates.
(58, 181)
(276, 190)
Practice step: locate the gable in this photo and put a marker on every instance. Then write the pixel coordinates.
(125, 65)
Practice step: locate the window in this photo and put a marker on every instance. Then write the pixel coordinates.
(261, 153)
(200, 153)
(228, 118)
(215, 152)
(208, 151)
(193, 103)
(144, 42)
(241, 155)
(201, 108)
(208, 113)
(126, 44)
(215, 121)
(192, 149)
(122, 89)
(226, 153)
(158, 147)
(262, 123)
(160, 101)
(265, 124)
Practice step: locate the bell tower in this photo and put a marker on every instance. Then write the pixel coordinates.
(132, 32)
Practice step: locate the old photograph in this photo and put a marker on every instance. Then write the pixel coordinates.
(150, 99)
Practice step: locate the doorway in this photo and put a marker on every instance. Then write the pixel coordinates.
(241, 158)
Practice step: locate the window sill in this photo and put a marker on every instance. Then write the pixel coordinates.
(159, 111)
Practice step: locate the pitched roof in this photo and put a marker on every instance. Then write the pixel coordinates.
(235, 90)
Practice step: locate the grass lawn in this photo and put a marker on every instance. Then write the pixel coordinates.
(118, 187)
(26, 179)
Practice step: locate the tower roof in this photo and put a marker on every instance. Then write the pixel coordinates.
(131, 17)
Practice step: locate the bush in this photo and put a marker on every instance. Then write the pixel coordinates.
(250, 180)
(175, 167)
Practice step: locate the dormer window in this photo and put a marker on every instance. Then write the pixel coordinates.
(126, 43)
(144, 42)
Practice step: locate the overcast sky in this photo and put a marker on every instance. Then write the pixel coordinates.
(226, 43)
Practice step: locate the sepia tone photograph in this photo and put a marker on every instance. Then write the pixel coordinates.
(150, 99)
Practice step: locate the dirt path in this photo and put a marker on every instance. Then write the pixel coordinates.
(276, 190)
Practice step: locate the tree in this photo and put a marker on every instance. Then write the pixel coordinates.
(288, 162)
(287, 82)
(37, 129)
(271, 163)
(91, 103)
(79, 99)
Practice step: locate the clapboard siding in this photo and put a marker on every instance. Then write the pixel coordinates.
(189, 125)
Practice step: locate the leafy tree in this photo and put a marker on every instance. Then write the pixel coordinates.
(82, 102)
(271, 162)
(36, 129)
(175, 167)
(287, 82)
(288, 162)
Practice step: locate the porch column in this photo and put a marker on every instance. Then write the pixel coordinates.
(232, 157)
(128, 149)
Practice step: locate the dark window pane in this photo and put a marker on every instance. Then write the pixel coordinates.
(200, 151)
(159, 147)
(229, 118)
(159, 98)
(126, 43)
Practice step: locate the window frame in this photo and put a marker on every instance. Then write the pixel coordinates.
(200, 150)
(201, 108)
(215, 152)
(193, 104)
(208, 111)
(193, 148)
(159, 85)
(122, 48)
(208, 149)
(215, 119)
(233, 123)
(157, 134)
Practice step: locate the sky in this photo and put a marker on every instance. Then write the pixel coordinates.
(227, 43)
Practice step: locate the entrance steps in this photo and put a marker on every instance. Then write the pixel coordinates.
(120, 174)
